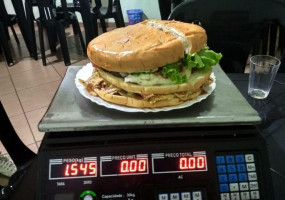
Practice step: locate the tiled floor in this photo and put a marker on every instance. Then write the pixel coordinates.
(27, 88)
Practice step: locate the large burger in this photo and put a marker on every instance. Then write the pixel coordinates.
(151, 64)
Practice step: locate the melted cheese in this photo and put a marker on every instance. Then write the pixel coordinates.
(148, 79)
(152, 79)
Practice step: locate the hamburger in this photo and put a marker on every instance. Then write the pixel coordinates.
(151, 64)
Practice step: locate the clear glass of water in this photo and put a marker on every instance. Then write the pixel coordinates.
(263, 69)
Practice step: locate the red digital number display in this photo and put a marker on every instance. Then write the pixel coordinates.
(179, 162)
(192, 163)
(80, 169)
(133, 166)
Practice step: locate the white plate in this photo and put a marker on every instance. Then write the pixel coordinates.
(86, 71)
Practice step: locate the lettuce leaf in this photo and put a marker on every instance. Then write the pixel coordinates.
(204, 59)
(172, 71)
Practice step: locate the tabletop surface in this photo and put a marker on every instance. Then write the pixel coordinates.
(272, 129)
(70, 111)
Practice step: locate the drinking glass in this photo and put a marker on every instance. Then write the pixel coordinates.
(263, 69)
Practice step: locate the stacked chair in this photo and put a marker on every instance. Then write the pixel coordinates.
(55, 23)
(90, 15)
(26, 25)
(165, 7)
(113, 10)
(4, 46)
(8, 20)
(237, 29)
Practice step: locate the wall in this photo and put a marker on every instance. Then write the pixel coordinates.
(149, 7)
(9, 6)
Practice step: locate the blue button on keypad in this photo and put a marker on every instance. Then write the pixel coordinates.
(224, 187)
(220, 160)
(241, 167)
(237, 176)
(231, 168)
(221, 169)
(233, 178)
(242, 177)
(239, 158)
(223, 178)
(230, 159)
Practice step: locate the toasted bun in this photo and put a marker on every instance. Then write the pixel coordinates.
(145, 45)
(169, 100)
(195, 35)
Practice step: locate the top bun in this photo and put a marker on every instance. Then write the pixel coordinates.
(146, 45)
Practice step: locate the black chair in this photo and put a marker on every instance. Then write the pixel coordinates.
(52, 37)
(8, 20)
(4, 44)
(26, 26)
(56, 23)
(234, 28)
(90, 30)
(21, 155)
(84, 8)
(165, 7)
(91, 15)
(113, 10)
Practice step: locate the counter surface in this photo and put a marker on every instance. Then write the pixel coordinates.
(272, 128)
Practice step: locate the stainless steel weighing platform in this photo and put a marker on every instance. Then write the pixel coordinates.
(70, 111)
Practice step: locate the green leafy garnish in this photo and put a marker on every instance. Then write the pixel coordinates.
(137, 73)
(176, 72)
(172, 71)
(203, 59)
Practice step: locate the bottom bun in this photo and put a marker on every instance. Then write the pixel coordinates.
(96, 85)
(171, 100)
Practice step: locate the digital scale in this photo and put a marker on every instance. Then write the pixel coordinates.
(208, 151)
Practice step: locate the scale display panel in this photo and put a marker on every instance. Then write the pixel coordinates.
(179, 162)
(69, 168)
(120, 165)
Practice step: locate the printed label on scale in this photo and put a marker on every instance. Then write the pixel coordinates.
(128, 196)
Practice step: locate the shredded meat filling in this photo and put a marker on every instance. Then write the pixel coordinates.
(97, 82)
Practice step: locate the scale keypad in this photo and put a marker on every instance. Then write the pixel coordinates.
(237, 177)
